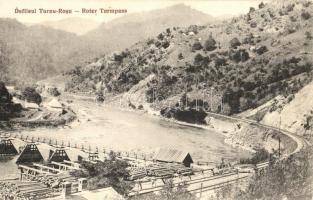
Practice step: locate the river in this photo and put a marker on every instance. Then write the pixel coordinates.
(110, 128)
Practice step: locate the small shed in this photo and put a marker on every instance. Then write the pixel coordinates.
(174, 156)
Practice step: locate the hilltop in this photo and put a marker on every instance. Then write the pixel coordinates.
(125, 31)
(36, 52)
(225, 67)
(73, 25)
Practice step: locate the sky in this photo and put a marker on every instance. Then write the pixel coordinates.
(212, 7)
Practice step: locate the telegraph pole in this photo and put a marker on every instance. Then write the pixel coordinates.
(279, 137)
(279, 147)
(186, 100)
(211, 100)
(203, 97)
(197, 96)
(222, 104)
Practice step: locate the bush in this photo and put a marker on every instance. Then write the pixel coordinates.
(210, 44)
(248, 39)
(30, 95)
(261, 49)
(180, 56)
(260, 155)
(108, 173)
(261, 5)
(251, 10)
(306, 3)
(305, 15)
(220, 61)
(165, 44)
(289, 178)
(160, 36)
(290, 7)
(308, 35)
(239, 55)
(234, 43)
(54, 91)
(198, 59)
(118, 57)
(100, 97)
(253, 24)
(196, 46)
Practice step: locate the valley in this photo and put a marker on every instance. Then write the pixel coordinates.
(223, 97)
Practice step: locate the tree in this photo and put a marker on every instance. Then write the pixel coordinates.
(305, 15)
(198, 59)
(308, 35)
(30, 95)
(239, 55)
(234, 43)
(210, 44)
(54, 91)
(196, 46)
(110, 173)
(165, 44)
(5, 96)
(160, 36)
(180, 56)
(100, 97)
(261, 49)
(261, 5)
(251, 10)
(172, 192)
(248, 39)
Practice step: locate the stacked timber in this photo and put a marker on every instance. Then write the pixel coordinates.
(165, 170)
(137, 173)
(19, 190)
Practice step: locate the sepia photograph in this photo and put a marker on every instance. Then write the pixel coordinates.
(156, 100)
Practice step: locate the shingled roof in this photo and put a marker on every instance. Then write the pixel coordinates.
(171, 155)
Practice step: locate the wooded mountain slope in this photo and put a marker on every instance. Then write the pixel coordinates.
(29, 54)
(243, 62)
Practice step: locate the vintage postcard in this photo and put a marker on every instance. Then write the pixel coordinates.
(156, 100)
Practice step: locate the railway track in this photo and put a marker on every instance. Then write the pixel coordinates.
(204, 184)
(301, 142)
(210, 183)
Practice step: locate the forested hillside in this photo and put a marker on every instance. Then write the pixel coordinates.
(241, 63)
(32, 53)
(29, 54)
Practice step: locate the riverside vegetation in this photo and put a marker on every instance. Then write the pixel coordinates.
(242, 63)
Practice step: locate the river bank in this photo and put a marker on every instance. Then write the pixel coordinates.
(137, 132)
(109, 122)
(237, 134)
